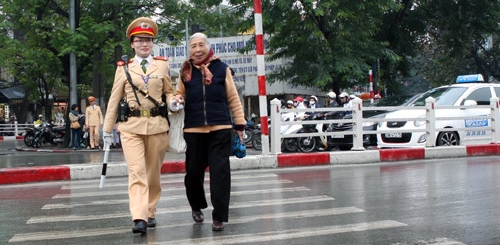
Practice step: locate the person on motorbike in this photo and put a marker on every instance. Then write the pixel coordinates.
(346, 102)
(289, 116)
(332, 102)
(298, 102)
(313, 103)
(39, 121)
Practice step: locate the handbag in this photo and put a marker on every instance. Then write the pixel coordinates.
(75, 125)
(177, 144)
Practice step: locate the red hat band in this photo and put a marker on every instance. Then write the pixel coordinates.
(142, 30)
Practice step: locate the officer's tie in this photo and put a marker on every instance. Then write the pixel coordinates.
(143, 65)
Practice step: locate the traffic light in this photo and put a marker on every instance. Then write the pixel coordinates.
(197, 28)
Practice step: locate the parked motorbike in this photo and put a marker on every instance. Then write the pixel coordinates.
(48, 133)
(249, 129)
(29, 135)
(308, 143)
(290, 144)
(287, 144)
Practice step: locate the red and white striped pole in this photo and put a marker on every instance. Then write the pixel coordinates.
(370, 74)
(261, 75)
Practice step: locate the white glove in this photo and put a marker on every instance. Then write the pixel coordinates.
(106, 137)
(176, 106)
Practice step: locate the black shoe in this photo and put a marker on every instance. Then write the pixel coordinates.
(197, 216)
(217, 226)
(151, 222)
(140, 227)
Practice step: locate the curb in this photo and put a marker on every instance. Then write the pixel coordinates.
(119, 169)
(11, 138)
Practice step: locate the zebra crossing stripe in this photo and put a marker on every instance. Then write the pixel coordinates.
(248, 204)
(169, 197)
(437, 241)
(227, 239)
(124, 191)
(169, 179)
(54, 235)
(289, 234)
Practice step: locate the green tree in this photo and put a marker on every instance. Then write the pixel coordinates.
(37, 50)
(329, 44)
(461, 38)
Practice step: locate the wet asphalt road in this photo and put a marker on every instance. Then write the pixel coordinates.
(14, 153)
(442, 202)
(47, 155)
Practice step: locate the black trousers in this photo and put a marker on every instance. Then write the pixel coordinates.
(209, 150)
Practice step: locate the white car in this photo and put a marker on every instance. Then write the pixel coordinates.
(469, 90)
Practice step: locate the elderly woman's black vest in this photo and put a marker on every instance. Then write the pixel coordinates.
(207, 104)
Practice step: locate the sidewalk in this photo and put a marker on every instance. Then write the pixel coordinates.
(174, 163)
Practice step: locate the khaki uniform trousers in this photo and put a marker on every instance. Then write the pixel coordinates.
(144, 155)
(94, 136)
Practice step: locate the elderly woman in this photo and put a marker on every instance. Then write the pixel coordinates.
(208, 93)
(144, 133)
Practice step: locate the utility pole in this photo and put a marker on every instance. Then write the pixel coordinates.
(72, 58)
(187, 39)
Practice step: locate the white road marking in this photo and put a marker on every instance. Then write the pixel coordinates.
(288, 234)
(258, 203)
(53, 235)
(437, 241)
(168, 197)
(168, 180)
(124, 191)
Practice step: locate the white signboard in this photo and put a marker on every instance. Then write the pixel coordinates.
(244, 65)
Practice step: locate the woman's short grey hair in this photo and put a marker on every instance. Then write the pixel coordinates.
(205, 38)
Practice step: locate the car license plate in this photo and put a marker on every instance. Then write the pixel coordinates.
(393, 135)
(338, 136)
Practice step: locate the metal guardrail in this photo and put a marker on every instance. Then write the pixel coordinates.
(13, 129)
(358, 120)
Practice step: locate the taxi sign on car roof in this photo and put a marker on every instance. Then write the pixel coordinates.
(474, 78)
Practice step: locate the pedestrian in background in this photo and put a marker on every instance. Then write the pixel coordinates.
(93, 121)
(76, 133)
(59, 116)
(207, 90)
(143, 135)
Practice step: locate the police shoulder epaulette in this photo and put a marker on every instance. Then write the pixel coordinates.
(160, 58)
(120, 63)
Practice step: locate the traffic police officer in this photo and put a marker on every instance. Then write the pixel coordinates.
(144, 134)
(93, 121)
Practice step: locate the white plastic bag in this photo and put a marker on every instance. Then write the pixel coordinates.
(177, 144)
